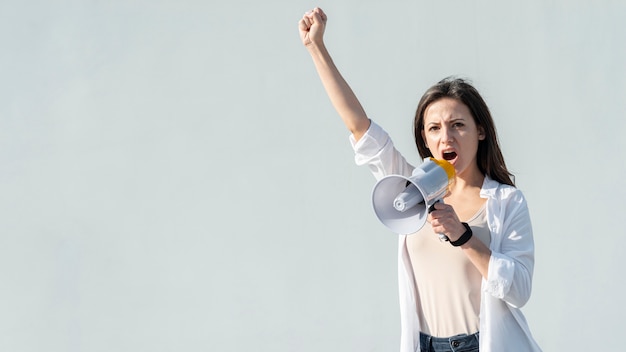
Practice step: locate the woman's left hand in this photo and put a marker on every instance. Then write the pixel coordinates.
(444, 220)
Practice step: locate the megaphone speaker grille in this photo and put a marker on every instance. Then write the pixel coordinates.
(383, 197)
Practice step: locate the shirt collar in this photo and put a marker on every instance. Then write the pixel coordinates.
(489, 188)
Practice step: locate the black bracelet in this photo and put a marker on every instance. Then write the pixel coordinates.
(464, 237)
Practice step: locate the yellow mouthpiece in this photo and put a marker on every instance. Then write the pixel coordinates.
(446, 166)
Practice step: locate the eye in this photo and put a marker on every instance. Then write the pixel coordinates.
(433, 128)
(458, 125)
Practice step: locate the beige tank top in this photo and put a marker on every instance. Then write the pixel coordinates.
(447, 283)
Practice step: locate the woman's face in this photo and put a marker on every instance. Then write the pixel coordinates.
(451, 133)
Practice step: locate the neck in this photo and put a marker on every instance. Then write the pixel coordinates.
(468, 180)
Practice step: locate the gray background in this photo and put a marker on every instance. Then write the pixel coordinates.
(174, 178)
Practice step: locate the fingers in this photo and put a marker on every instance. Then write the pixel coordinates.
(439, 210)
(312, 26)
(444, 220)
(442, 215)
(316, 15)
(307, 20)
(321, 14)
(305, 23)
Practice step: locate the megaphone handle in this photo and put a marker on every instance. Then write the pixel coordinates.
(442, 237)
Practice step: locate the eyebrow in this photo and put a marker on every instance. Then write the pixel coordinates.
(453, 120)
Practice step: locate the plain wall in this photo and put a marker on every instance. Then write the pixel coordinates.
(174, 178)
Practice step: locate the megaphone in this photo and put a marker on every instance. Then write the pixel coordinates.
(401, 203)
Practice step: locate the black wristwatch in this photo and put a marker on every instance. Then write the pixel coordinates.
(464, 237)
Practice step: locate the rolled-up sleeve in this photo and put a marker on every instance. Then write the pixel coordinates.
(376, 150)
(511, 265)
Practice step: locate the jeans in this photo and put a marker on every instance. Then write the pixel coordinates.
(458, 343)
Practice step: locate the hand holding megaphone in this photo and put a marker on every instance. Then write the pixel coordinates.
(402, 203)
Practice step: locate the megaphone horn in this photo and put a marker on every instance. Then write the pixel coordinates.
(401, 203)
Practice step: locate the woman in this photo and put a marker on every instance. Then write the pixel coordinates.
(465, 296)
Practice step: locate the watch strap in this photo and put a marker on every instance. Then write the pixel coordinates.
(464, 237)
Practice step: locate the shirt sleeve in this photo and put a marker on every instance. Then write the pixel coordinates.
(511, 264)
(376, 150)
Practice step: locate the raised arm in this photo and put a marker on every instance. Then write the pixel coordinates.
(312, 27)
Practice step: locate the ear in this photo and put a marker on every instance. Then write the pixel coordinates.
(481, 133)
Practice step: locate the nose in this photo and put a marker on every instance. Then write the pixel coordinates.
(446, 135)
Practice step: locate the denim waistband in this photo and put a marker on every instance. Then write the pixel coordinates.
(462, 342)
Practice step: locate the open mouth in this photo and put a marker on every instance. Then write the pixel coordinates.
(449, 156)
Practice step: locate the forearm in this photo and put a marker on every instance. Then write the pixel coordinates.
(479, 254)
(341, 95)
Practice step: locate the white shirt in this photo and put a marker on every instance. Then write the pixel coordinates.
(502, 324)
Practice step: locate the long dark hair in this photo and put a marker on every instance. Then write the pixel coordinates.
(489, 156)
